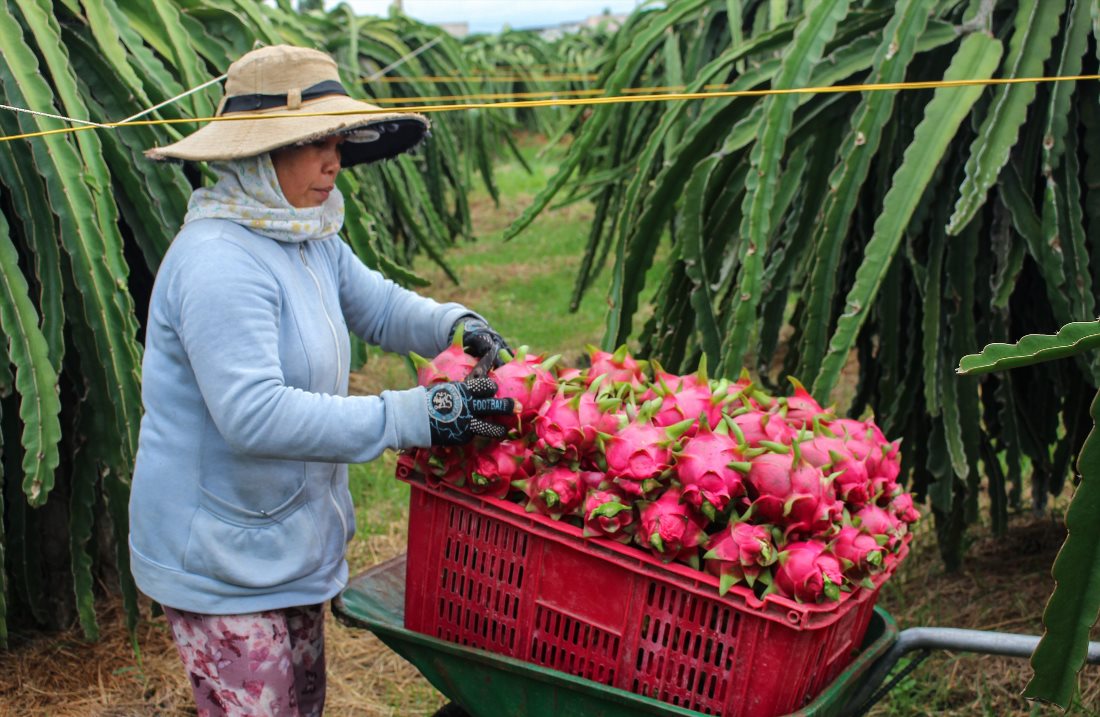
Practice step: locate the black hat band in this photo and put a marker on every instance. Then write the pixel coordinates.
(252, 103)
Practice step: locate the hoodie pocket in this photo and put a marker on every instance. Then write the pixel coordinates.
(253, 549)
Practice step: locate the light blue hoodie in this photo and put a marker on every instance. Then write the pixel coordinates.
(240, 497)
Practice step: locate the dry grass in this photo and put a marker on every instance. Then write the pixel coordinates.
(1003, 587)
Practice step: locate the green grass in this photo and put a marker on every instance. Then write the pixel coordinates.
(522, 286)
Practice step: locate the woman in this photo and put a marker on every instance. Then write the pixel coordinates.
(240, 511)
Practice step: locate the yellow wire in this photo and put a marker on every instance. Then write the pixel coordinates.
(502, 78)
(528, 95)
(618, 99)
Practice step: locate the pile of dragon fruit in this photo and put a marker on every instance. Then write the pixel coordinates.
(773, 493)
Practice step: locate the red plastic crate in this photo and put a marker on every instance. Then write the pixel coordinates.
(485, 573)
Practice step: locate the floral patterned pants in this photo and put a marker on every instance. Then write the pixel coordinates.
(264, 664)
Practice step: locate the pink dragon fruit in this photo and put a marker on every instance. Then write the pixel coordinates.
(619, 367)
(800, 409)
(528, 380)
(745, 393)
(637, 455)
(607, 515)
(499, 463)
(688, 403)
(671, 529)
(884, 466)
(818, 450)
(902, 507)
(451, 364)
(674, 382)
(570, 375)
(854, 428)
(852, 482)
(807, 573)
(759, 428)
(878, 522)
(792, 494)
(709, 468)
(571, 424)
(860, 553)
(447, 464)
(554, 490)
(739, 553)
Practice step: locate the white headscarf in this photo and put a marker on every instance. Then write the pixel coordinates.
(247, 192)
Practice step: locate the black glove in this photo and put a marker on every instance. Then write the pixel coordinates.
(479, 339)
(455, 411)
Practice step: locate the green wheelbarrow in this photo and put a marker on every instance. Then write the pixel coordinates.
(483, 684)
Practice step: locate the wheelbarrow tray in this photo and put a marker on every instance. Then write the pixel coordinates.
(489, 685)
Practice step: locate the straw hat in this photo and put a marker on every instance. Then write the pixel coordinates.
(287, 82)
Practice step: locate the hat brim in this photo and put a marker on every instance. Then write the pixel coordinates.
(256, 133)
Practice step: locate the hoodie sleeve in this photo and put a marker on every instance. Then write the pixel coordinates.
(382, 313)
(228, 306)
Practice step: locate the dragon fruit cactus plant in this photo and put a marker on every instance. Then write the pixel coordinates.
(773, 495)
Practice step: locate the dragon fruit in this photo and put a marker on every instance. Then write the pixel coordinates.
(739, 553)
(637, 455)
(694, 402)
(554, 490)
(451, 364)
(446, 464)
(709, 468)
(528, 380)
(860, 554)
(571, 424)
(902, 507)
(801, 409)
(807, 573)
(619, 367)
(791, 493)
(877, 521)
(758, 428)
(671, 529)
(684, 397)
(607, 513)
(497, 465)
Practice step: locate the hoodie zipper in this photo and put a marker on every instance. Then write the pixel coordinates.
(339, 371)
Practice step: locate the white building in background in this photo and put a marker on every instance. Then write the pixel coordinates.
(455, 29)
(609, 20)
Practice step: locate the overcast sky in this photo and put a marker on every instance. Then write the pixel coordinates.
(491, 15)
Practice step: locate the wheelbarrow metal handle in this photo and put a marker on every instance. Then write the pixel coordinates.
(957, 639)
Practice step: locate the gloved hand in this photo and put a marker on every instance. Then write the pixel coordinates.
(455, 411)
(480, 340)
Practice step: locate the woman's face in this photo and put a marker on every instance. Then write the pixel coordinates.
(307, 173)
